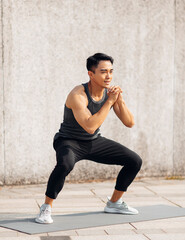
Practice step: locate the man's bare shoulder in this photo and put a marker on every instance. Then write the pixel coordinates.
(76, 94)
(77, 90)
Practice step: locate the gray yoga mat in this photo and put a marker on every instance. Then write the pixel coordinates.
(26, 223)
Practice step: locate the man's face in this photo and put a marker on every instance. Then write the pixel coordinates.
(103, 74)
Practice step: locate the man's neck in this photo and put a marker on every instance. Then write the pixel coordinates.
(95, 90)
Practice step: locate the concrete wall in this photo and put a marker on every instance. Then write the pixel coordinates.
(44, 46)
(179, 90)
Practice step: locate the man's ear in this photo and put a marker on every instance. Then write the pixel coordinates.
(91, 74)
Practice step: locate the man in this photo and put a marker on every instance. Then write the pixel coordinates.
(86, 108)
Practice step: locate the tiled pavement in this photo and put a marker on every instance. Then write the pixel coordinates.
(85, 197)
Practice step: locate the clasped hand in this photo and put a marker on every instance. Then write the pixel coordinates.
(114, 93)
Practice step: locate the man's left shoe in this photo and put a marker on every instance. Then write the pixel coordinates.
(45, 214)
(119, 207)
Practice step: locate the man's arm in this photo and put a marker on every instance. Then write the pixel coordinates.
(123, 112)
(89, 122)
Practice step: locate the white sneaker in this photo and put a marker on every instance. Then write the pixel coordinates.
(45, 214)
(119, 207)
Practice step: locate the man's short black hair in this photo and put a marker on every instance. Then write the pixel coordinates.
(93, 61)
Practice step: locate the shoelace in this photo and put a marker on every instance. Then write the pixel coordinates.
(44, 212)
(124, 205)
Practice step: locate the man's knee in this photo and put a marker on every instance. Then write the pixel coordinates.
(65, 161)
(65, 167)
(138, 162)
(135, 162)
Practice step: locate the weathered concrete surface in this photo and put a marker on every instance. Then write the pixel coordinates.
(45, 49)
(1, 105)
(146, 73)
(179, 90)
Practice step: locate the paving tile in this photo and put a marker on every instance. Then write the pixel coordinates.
(179, 200)
(60, 237)
(8, 233)
(90, 232)
(161, 180)
(170, 190)
(89, 186)
(125, 226)
(20, 234)
(175, 230)
(2, 229)
(151, 231)
(178, 236)
(74, 193)
(18, 205)
(140, 190)
(17, 191)
(109, 237)
(63, 233)
(21, 238)
(120, 231)
(146, 201)
(160, 224)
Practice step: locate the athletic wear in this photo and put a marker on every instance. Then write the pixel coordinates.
(119, 207)
(100, 150)
(72, 144)
(70, 127)
(45, 214)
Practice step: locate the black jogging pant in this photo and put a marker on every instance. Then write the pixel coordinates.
(100, 150)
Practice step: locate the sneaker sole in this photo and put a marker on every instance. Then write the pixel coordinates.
(38, 221)
(115, 210)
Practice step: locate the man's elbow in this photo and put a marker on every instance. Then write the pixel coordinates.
(90, 130)
(130, 124)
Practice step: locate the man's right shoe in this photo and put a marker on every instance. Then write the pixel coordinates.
(45, 214)
(119, 207)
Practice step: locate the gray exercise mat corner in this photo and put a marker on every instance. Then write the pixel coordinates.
(26, 223)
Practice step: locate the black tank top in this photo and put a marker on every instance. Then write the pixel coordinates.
(70, 127)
